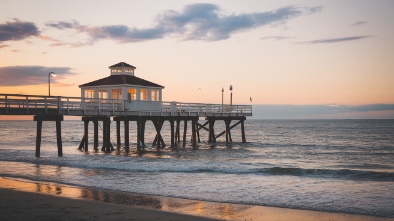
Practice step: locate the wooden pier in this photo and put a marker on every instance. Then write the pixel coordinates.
(54, 108)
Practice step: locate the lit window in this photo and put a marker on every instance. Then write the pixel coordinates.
(117, 94)
(89, 93)
(103, 94)
(143, 94)
(132, 93)
(154, 95)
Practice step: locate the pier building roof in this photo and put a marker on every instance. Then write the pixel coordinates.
(122, 64)
(121, 74)
(121, 79)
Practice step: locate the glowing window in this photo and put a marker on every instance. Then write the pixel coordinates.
(154, 94)
(132, 93)
(103, 94)
(143, 94)
(89, 94)
(117, 94)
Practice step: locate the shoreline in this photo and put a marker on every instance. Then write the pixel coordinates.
(25, 194)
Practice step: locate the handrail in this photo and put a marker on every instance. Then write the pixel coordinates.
(96, 106)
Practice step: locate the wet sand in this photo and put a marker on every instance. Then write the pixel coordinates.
(29, 200)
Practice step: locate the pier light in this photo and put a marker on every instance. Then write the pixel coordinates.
(231, 95)
(53, 74)
(222, 97)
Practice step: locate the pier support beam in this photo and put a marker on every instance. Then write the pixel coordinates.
(211, 131)
(118, 143)
(177, 132)
(57, 119)
(126, 135)
(243, 131)
(107, 145)
(194, 133)
(95, 123)
(38, 137)
(172, 132)
(158, 142)
(184, 133)
(227, 131)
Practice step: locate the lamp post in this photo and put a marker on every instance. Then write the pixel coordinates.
(231, 96)
(222, 97)
(49, 81)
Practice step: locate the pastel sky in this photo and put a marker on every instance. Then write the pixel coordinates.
(325, 53)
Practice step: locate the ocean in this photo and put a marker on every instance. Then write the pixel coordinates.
(344, 166)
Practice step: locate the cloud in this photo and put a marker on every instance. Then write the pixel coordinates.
(17, 30)
(31, 75)
(359, 23)
(336, 40)
(63, 25)
(3, 46)
(204, 22)
(277, 38)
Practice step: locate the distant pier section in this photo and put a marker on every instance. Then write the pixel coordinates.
(124, 97)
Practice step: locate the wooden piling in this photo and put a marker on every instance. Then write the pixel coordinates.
(126, 134)
(184, 133)
(177, 132)
(227, 123)
(85, 136)
(59, 138)
(139, 134)
(243, 131)
(118, 143)
(172, 132)
(95, 125)
(211, 131)
(38, 137)
(57, 119)
(194, 139)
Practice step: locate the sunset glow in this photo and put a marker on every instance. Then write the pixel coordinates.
(274, 53)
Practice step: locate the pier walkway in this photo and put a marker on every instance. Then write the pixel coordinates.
(18, 104)
(54, 108)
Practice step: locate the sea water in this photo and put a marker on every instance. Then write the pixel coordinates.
(324, 165)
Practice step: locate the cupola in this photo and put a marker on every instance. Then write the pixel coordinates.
(122, 68)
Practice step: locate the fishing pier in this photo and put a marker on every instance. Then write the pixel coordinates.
(126, 98)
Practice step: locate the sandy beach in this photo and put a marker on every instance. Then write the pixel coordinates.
(28, 200)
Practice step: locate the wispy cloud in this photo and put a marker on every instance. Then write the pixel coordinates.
(359, 23)
(3, 46)
(202, 22)
(336, 40)
(17, 30)
(31, 75)
(277, 38)
(63, 24)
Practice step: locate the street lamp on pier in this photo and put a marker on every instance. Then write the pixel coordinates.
(231, 96)
(222, 97)
(53, 74)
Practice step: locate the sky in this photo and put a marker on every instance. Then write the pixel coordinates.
(326, 59)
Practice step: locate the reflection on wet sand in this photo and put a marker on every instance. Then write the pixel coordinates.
(223, 211)
(131, 199)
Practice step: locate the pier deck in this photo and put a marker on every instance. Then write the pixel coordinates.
(18, 104)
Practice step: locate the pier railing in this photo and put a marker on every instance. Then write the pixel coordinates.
(207, 109)
(18, 104)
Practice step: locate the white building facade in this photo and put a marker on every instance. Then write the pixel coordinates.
(133, 93)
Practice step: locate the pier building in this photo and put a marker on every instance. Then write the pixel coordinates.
(134, 93)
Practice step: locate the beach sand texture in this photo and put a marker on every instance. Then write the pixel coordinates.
(23, 200)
